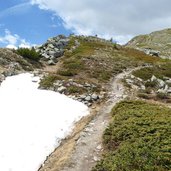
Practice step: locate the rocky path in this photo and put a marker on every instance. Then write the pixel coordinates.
(89, 148)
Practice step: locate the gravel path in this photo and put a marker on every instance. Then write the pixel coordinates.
(89, 145)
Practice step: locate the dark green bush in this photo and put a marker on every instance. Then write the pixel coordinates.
(28, 53)
(138, 138)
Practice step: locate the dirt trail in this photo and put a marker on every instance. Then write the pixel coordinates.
(89, 146)
(82, 151)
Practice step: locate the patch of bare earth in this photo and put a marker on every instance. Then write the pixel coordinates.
(83, 148)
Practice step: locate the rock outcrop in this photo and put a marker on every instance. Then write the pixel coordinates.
(12, 64)
(53, 48)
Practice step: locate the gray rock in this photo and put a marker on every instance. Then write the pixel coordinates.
(153, 78)
(95, 158)
(142, 87)
(58, 53)
(61, 89)
(162, 91)
(51, 62)
(129, 81)
(168, 81)
(50, 46)
(51, 53)
(88, 98)
(151, 52)
(99, 147)
(132, 76)
(166, 87)
(95, 97)
(54, 47)
(161, 83)
(82, 96)
(169, 91)
(45, 55)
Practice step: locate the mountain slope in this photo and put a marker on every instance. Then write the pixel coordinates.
(158, 42)
(11, 63)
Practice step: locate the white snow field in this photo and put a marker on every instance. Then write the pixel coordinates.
(32, 122)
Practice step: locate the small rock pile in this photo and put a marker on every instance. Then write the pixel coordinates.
(88, 96)
(161, 86)
(150, 52)
(53, 48)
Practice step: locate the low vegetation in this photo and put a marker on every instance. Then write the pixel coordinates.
(160, 70)
(137, 139)
(28, 53)
(48, 81)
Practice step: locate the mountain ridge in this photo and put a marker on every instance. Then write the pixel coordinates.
(158, 41)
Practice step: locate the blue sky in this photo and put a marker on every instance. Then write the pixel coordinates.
(29, 22)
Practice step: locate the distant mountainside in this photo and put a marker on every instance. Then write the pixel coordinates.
(157, 43)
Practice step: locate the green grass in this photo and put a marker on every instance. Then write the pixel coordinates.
(76, 90)
(160, 70)
(103, 65)
(138, 138)
(47, 81)
(98, 61)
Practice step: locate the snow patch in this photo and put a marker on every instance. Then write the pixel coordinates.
(32, 122)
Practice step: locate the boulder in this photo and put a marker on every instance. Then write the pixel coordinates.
(88, 98)
(161, 83)
(95, 97)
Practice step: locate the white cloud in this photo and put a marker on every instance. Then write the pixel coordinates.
(13, 40)
(11, 46)
(119, 19)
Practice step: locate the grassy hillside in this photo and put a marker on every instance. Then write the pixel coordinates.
(158, 41)
(95, 61)
(138, 138)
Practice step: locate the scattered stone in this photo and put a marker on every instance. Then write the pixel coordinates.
(168, 81)
(95, 158)
(161, 91)
(61, 89)
(99, 147)
(153, 78)
(161, 83)
(88, 98)
(95, 97)
(51, 62)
